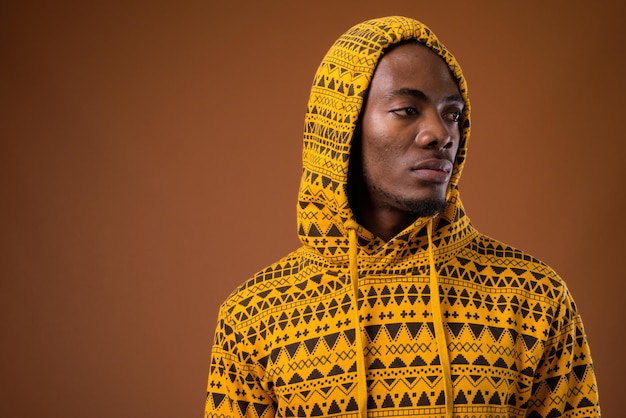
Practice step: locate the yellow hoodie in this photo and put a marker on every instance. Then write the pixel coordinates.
(441, 321)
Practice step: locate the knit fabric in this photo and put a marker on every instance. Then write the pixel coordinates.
(289, 340)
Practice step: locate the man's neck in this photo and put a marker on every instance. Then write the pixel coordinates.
(386, 223)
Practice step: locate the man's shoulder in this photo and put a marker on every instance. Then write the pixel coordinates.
(275, 276)
(499, 251)
(507, 260)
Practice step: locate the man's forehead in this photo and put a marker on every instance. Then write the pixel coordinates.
(414, 70)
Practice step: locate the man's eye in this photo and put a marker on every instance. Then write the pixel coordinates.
(406, 111)
(454, 116)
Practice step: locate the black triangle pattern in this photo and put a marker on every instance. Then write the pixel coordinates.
(285, 342)
(513, 331)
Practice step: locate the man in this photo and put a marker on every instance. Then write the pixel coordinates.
(395, 305)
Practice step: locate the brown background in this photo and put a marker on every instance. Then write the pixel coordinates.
(150, 159)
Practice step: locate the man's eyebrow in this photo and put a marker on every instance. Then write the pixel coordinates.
(455, 98)
(405, 91)
(418, 94)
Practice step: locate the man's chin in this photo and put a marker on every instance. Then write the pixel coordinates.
(424, 208)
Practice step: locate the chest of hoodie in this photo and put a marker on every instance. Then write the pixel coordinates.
(494, 343)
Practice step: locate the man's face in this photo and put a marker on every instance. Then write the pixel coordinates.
(410, 132)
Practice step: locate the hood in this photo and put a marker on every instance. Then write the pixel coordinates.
(337, 96)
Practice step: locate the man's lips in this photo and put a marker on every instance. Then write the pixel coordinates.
(434, 170)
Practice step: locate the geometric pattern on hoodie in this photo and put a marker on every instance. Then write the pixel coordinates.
(298, 339)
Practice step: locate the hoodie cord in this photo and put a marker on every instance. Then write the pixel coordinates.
(440, 336)
(360, 358)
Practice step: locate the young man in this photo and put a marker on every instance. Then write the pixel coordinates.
(395, 305)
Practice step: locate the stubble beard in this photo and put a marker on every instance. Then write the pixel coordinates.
(426, 208)
(417, 208)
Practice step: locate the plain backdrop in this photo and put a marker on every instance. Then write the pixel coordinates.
(150, 156)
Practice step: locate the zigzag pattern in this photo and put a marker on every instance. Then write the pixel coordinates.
(286, 340)
(508, 328)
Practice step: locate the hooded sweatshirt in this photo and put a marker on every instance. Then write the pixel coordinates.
(440, 321)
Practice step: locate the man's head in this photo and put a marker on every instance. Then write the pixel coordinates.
(409, 132)
(343, 116)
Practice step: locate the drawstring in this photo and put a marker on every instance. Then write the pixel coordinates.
(360, 360)
(440, 336)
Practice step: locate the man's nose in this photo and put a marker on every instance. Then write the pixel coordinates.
(434, 132)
